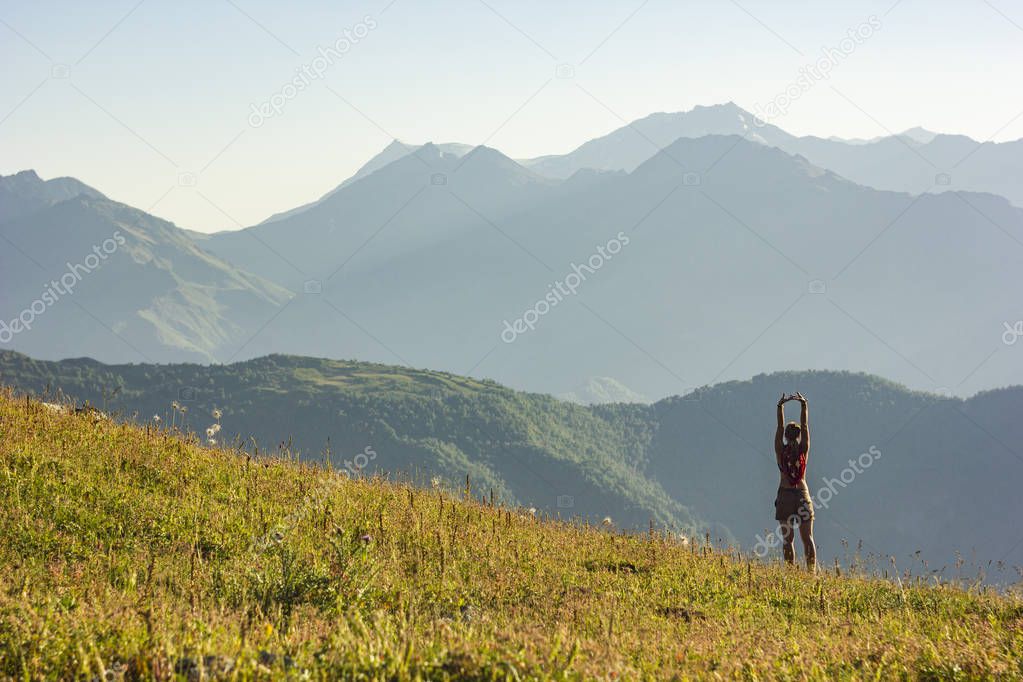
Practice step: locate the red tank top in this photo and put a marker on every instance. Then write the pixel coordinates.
(792, 462)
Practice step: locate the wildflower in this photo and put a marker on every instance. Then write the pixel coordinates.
(435, 482)
(156, 418)
(217, 414)
(367, 538)
(176, 405)
(607, 522)
(531, 511)
(212, 430)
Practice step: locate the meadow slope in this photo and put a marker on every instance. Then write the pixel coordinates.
(531, 449)
(702, 462)
(131, 552)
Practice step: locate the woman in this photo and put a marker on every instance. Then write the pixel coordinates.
(793, 504)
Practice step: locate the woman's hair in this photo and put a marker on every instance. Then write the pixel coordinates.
(793, 430)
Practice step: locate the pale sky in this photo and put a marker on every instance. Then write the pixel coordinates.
(137, 98)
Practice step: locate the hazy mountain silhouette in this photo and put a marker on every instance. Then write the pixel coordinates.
(629, 146)
(729, 238)
(601, 391)
(915, 134)
(914, 161)
(141, 288)
(743, 258)
(391, 153)
(25, 192)
(902, 163)
(416, 201)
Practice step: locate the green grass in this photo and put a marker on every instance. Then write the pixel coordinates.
(530, 448)
(134, 553)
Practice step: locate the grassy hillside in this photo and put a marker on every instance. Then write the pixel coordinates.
(531, 449)
(127, 552)
(703, 461)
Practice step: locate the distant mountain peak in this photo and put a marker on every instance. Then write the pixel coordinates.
(629, 146)
(953, 137)
(25, 192)
(587, 176)
(698, 153)
(602, 391)
(728, 108)
(426, 150)
(918, 134)
(721, 106)
(487, 162)
(394, 151)
(483, 151)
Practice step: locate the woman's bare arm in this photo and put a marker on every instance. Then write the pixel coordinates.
(804, 418)
(781, 425)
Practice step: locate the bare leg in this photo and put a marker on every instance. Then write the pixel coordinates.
(809, 548)
(788, 541)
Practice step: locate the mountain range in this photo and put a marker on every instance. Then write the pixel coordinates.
(152, 293)
(894, 472)
(913, 161)
(732, 243)
(749, 250)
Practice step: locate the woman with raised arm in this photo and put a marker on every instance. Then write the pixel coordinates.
(793, 505)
